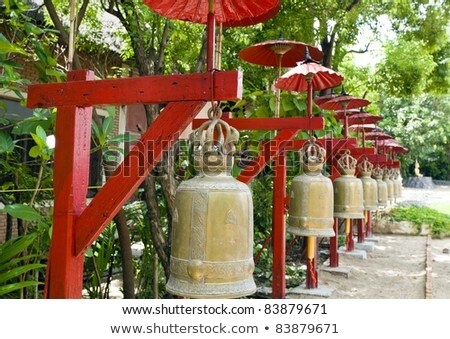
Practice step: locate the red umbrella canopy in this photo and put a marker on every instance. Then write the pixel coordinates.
(267, 53)
(379, 136)
(361, 128)
(255, 20)
(364, 118)
(322, 77)
(344, 102)
(350, 113)
(325, 98)
(227, 12)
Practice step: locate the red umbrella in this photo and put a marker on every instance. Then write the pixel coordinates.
(234, 12)
(309, 75)
(364, 119)
(268, 53)
(378, 136)
(278, 53)
(350, 113)
(344, 102)
(255, 20)
(325, 98)
(360, 128)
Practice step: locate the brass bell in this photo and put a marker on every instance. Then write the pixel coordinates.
(382, 187)
(370, 187)
(398, 183)
(212, 230)
(348, 190)
(389, 183)
(311, 196)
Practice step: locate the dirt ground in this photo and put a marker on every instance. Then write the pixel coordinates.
(396, 268)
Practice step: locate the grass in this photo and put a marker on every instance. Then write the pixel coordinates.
(443, 207)
(439, 222)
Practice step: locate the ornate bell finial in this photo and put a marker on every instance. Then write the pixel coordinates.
(365, 168)
(311, 196)
(312, 157)
(378, 172)
(347, 164)
(212, 228)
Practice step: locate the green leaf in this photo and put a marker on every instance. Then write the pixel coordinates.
(15, 246)
(7, 47)
(29, 125)
(108, 126)
(24, 212)
(35, 152)
(30, 28)
(13, 262)
(262, 112)
(123, 138)
(6, 143)
(17, 286)
(15, 272)
(10, 63)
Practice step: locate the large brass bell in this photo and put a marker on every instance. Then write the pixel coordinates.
(382, 187)
(389, 183)
(311, 196)
(370, 187)
(348, 190)
(212, 231)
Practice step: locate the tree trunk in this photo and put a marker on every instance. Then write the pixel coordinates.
(9, 226)
(125, 242)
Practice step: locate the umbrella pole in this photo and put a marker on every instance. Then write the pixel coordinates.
(278, 91)
(211, 37)
(309, 98)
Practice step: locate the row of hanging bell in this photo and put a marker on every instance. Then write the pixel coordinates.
(212, 226)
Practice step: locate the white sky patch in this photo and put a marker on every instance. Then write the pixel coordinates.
(375, 53)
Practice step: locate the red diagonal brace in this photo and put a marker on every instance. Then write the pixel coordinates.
(133, 170)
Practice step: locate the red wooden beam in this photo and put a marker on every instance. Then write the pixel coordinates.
(126, 91)
(270, 124)
(64, 277)
(133, 170)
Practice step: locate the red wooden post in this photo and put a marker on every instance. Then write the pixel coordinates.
(334, 255)
(361, 231)
(279, 233)
(369, 232)
(350, 242)
(71, 171)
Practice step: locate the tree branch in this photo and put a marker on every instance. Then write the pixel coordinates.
(162, 47)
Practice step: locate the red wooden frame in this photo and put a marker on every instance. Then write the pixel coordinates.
(74, 226)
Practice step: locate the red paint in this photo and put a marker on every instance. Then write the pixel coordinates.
(270, 124)
(133, 170)
(211, 41)
(369, 232)
(279, 232)
(70, 180)
(334, 255)
(311, 273)
(350, 243)
(148, 89)
(361, 233)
